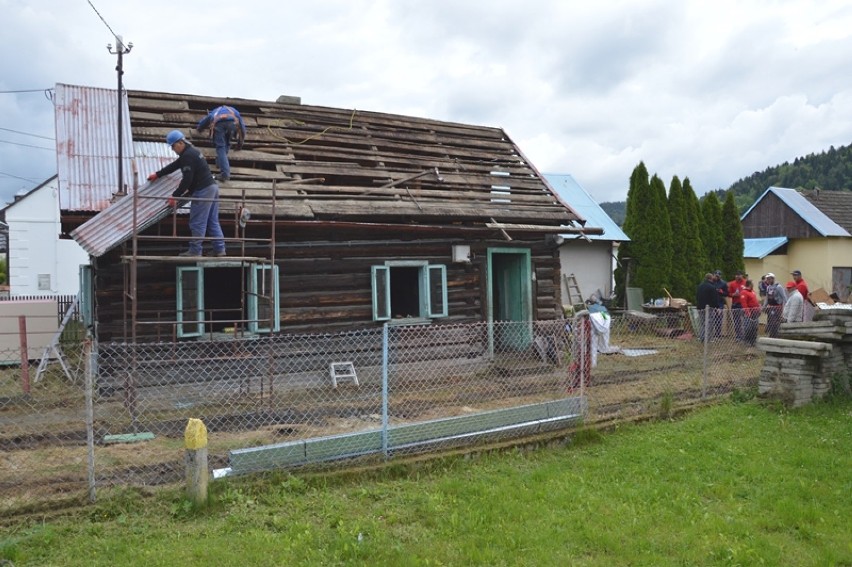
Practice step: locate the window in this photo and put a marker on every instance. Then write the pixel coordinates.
(263, 299)
(409, 290)
(87, 308)
(210, 298)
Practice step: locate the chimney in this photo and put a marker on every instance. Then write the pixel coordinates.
(287, 99)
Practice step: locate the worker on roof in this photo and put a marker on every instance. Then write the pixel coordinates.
(223, 121)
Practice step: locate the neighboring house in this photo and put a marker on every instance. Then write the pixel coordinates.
(356, 219)
(41, 260)
(811, 231)
(591, 258)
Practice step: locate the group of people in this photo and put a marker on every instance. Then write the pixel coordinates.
(197, 182)
(781, 304)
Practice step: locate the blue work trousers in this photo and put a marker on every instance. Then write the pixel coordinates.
(204, 219)
(223, 132)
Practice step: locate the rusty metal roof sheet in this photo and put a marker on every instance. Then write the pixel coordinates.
(114, 225)
(87, 146)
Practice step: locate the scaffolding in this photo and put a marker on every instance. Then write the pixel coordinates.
(238, 325)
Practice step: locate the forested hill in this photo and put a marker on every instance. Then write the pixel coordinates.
(829, 170)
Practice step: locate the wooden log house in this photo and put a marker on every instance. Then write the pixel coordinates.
(355, 219)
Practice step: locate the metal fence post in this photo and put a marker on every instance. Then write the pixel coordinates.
(25, 355)
(385, 390)
(88, 358)
(707, 315)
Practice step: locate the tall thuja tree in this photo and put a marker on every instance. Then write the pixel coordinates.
(639, 192)
(733, 247)
(695, 258)
(654, 234)
(680, 280)
(713, 237)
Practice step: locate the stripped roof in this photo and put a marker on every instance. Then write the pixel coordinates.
(760, 248)
(325, 164)
(572, 192)
(812, 215)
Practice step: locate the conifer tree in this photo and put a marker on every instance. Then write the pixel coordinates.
(638, 192)
(695, 257)
(732, 229)
(654, 237)
(680, 279)
(712, 237)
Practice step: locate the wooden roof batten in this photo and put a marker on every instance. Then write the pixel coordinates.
(364, 165)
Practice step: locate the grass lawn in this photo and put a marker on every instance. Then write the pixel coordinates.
(734, 484)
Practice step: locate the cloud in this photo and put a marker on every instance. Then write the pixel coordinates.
(709, 91)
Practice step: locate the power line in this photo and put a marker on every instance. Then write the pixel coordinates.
(102, 18)
(18, 177)
(25, 133)
(25, 91)
(26, 145)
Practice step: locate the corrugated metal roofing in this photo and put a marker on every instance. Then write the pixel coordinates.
(87, 146)
(114, 225)
(805, 209)
(760, 248)
(571, 192)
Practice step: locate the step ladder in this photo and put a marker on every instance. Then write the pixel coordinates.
(573, 289)
(343, 370)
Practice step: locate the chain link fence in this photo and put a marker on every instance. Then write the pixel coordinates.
(115, 414)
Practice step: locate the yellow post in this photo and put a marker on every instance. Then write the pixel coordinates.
(195, 439)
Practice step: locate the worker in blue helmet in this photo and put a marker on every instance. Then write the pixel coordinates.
(198, 184)
(226, 124)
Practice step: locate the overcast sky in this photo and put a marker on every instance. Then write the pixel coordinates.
(713, 91)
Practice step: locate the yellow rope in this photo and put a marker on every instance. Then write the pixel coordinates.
(314, 136)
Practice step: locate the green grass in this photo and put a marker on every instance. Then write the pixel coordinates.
(734, 484)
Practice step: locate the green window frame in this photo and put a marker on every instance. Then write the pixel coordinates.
(87, 296)
(259, 288)
(190, 301)
(431, 289)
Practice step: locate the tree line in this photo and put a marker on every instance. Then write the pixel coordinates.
(675, 239)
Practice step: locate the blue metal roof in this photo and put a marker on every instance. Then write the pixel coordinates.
(805, 209)
(760, 248)
(572, 193)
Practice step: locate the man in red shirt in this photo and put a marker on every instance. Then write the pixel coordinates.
(735, 287)
(801, 284)
(751, 312)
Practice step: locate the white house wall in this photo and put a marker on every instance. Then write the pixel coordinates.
(40, 263)
(591, 263)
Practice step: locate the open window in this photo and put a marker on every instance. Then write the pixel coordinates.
(220, 296)
(263, 307)
(87, 296)
(409, 290)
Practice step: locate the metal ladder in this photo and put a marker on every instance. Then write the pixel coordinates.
(342, 370)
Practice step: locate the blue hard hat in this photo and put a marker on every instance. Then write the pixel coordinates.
(174, 136)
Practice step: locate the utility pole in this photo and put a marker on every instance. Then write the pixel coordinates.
(121, 50)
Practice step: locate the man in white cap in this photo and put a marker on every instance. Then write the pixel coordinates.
(773, 304)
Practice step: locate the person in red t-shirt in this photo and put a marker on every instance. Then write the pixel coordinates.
(735, 287)
(750, 311)
(801, 284)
